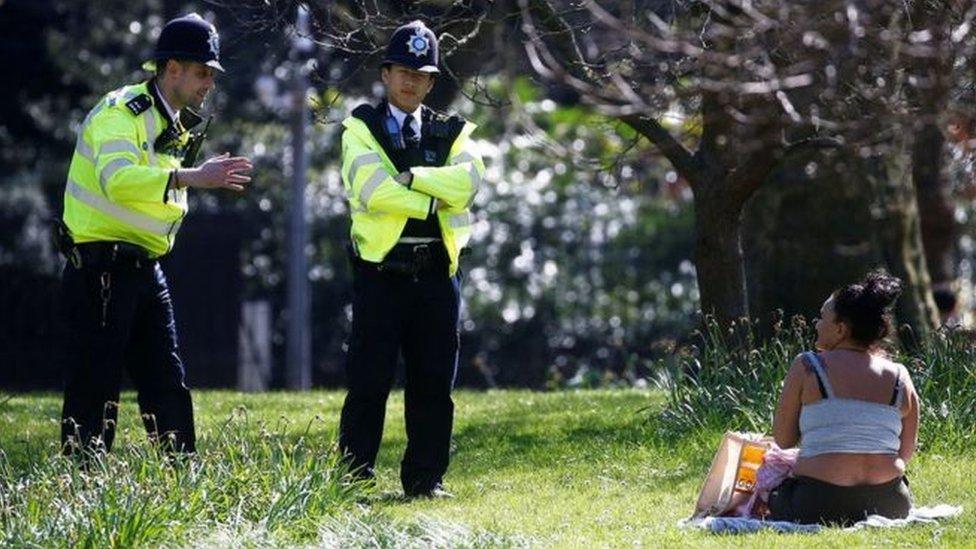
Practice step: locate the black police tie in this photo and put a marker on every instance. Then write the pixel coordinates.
(410, 138)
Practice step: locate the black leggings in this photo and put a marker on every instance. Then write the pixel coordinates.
(809, 501)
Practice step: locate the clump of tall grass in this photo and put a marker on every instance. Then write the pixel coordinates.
(379, 530)
(365, 528)
(731, 379)
(944, 372)
(243, 475)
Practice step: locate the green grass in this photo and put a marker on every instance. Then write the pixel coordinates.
(586, 468)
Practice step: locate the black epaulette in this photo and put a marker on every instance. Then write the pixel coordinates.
(445, 126)
(139, 104)
(364, 112)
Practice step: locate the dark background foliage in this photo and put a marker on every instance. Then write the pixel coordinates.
(645, 160)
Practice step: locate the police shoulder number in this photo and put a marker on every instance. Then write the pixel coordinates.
(139, 104)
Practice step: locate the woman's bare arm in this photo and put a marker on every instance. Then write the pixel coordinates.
(910, 408)
(786, 421)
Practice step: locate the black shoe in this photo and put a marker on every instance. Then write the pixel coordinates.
(435, 492)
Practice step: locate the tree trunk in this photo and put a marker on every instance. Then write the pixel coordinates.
(935, 211)
(897, 229)
(806, 232)
(718, 255)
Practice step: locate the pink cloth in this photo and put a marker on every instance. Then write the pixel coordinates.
(776, 467)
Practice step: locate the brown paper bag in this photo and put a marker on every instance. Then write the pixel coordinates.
(732, 476)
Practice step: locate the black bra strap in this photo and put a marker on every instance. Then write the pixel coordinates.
(896, 391)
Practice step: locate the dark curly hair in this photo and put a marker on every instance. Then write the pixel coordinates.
(865, 306)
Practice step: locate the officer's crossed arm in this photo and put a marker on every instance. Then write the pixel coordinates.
(456, 184)
(372, 187)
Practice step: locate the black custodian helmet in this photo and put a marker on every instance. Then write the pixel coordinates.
(189, 38)
(413, 45)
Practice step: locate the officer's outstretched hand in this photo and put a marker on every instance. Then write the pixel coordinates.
(220, 172)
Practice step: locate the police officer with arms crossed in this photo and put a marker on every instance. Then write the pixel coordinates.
(124, 200)
(411, 176)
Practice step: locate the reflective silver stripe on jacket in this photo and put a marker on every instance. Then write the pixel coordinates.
(463, 157)
(94, 112)
(472, 172)
(151, 135)
(360, 161)
(109, 170)
(118, 145)
(460, 221)
(370, 186)
(475, 184)
(81, 146)
(84, 150)
(111, 209)
(175, 227)
(417, 240)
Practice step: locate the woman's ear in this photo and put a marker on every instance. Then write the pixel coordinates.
(843, 330)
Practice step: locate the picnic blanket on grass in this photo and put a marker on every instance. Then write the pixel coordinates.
(739, 525)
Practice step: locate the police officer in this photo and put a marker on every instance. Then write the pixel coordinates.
(124, 200)
(411, 176)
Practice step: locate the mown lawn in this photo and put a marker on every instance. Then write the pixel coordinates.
(565, 469)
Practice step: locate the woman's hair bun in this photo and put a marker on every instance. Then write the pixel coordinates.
(881, 289)
(865, 305)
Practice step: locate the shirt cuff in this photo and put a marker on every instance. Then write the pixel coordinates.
(170, 184)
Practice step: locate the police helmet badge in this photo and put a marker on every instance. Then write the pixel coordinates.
(417, 43)
(214, 43)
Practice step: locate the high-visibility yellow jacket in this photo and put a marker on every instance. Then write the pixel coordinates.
(380, 207)
(118, 184)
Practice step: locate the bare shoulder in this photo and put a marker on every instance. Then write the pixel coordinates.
(798, 367)
(905, 375)
(887, 365)
(796, 377)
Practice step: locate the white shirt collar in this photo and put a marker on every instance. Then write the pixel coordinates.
(400, 115)
(173, 115)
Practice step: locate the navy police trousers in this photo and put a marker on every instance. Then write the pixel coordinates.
(416, 315)
(118, 316)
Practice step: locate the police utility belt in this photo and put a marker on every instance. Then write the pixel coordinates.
(410, 259)
(97, 254)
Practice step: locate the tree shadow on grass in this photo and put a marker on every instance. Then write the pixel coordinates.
(486, 450)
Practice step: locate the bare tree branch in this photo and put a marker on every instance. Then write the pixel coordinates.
(671, 148)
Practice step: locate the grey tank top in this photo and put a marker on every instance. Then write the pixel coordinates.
(848, 425)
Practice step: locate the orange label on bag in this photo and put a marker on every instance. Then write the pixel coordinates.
(745, 479)
(753, 455)
(749, 461)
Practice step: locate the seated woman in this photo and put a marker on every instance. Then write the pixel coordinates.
(853, 412)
